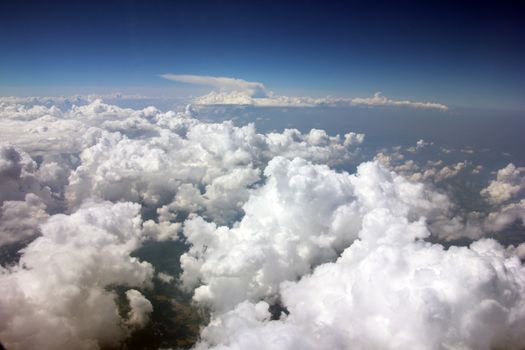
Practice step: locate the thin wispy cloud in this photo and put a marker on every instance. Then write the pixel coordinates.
(235, 91)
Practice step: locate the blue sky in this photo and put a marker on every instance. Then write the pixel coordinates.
(461, 54)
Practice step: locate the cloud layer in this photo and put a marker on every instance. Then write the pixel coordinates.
(245, 99)
(100, 164)
(284, 251)
(233, 91)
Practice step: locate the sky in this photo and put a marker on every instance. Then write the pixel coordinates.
(262, 175)
(461, 54)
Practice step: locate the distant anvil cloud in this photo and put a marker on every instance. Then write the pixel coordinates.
(234, 91)
(221, 83)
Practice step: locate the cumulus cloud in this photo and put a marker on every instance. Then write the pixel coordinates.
(216, 163)
(503, 194)
(431, 171)
(509, 182)
(140, 308)
(24, 196)
(58, 296)
(234, 91)
(285, 251)
(390, 290)
(304, 215)
(21, 219)
(60, 293)
(101, 150)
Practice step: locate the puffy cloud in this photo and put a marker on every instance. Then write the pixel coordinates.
(21, 219)
(304, 215)
(509, 182)
(353, 138)
(18, 175)
(505, 216)
(390, 290)
(159, 159)
(437, 175)
(432, 171)
(341, 259)
(193, 166)
(140, 308)
(165, 277)
(59, 294)
(456, 223)
(163, 230)
(420, 144)
(24, 196)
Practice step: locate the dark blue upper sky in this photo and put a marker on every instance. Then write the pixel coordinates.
(461, 54)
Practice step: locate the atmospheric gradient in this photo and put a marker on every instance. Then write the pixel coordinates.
(262, 175)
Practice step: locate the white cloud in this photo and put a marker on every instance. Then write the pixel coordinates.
(249, 88)
(432, 171)
(58, 296)
(510, 181)
(304, 215)
(21, 219)
(140, 308)
(268, 222)
(389, 290)
(101, 150)
(165, 277)
(379, 100)
(241, 98)
(215, 162)
(233, 91)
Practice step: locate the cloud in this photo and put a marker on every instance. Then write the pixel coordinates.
(389, 290)
(249, 88)
(216, 163)
(140, 308)
(25, 196)
(59, 295)
(304, 215)
(233, 91)
(104, 151)
(510, 181)
(379, 100)
(430, 171)
(21, 219)
(241, 98)
(342, 260)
